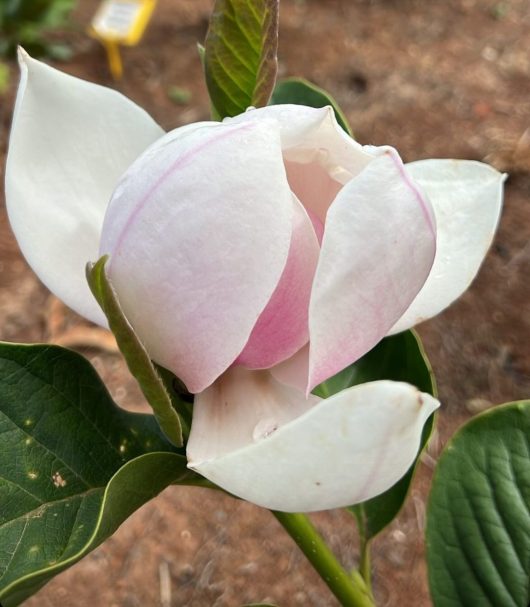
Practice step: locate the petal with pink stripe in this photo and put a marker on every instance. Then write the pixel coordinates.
(467, 199)
(378, 248)
(205, 224)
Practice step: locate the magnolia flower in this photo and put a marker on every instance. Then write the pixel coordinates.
(255, 258)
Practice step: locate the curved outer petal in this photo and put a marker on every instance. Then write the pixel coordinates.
(70, 142)
(266, 443)
(198, 233)
(319, 156)
(377, 252)
(282, 328)
(467, 199)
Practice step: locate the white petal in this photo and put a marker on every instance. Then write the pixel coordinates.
(467, 199)
(265, 443)
(198, 233)
(70, 142)
(377, 252)
(319, 156)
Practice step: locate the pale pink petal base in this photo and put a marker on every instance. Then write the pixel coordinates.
(282, 328)
(294, 371)
(312, 184)
(70, 143)
(240, 408)
(377, 251)
(266, 443)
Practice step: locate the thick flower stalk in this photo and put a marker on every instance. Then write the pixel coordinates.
(254, 258)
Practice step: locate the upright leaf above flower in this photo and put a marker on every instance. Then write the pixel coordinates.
(240, 54)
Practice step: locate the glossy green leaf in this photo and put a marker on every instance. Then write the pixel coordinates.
(240, 54)
(478, 521)
(303, 92)
(135, 355)
(399, 358)
(73, 465)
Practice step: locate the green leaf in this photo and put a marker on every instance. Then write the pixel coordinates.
(240, 54)
(399, 358)
(135, 354)
(478, 521)
(303, 92)
(73, 465)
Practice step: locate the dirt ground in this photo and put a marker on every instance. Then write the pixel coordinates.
(434, 79)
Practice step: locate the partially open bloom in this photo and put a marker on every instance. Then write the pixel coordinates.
(255, 258)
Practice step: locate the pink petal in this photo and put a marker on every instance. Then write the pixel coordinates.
(377, 252)
(282, 328)
(204, 228)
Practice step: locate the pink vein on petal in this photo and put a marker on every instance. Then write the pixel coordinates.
(410, 182)
(180, 162)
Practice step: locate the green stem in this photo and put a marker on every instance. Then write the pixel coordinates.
(365, 567)
(351, 591)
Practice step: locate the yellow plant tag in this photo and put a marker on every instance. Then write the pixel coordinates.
(120, 22)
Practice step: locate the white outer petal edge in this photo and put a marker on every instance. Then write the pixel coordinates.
(466, 196)
(70, 142)
(344, 450)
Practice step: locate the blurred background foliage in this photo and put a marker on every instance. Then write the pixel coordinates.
(29, 23)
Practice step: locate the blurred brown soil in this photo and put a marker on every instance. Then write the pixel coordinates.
(435, 79)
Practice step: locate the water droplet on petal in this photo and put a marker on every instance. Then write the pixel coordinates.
(264, 428)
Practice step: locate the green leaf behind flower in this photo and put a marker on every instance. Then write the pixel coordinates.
(399, 358)
(138, 361)
(478, 518)
(73, 465)
(240, 54)
(302, 92)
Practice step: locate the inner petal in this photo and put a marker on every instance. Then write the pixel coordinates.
(241, 408)
(314, 187)
(282, 328)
